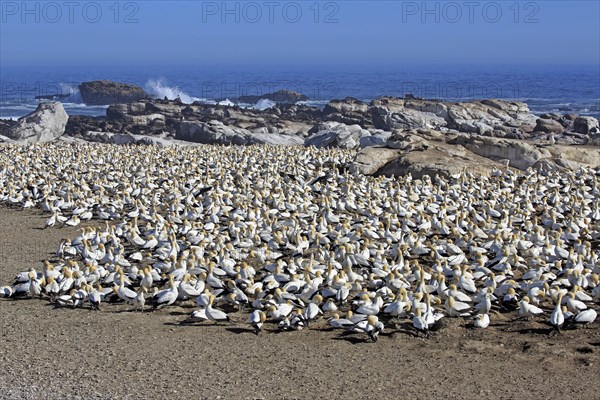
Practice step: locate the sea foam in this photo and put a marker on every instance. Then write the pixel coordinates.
(159, 90)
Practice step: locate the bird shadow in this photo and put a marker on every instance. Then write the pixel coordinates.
(182, 323)
(405, 331)
(535, 331)
(129, 310)
(239, 331)
(178, 313)
(352, 339)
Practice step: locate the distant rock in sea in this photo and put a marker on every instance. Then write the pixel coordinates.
(281, 97)
(53, 97)
(102, 93)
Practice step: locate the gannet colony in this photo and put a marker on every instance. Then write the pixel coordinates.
(288, 235)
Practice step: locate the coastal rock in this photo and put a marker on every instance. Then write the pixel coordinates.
(487, 117)
(280, 96)
(335, 134)
(548, 126)
(349, 111)
(593, 140)
(370, 160)
(123, 139)
(45, 124)
(347, 106)
(148, 119)
(575, 157)
(419, 157)
(215, 132)
(586, 125)
(406, 119)
(490, 117)
(521, 155)
(6, 124)
(108, 92)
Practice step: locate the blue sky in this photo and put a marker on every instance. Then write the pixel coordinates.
(263, 32)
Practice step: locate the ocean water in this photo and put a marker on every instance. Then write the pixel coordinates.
(546, 89)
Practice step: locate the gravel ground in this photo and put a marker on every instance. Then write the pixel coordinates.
(48, 353)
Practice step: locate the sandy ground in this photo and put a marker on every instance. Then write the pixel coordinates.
(48, 353)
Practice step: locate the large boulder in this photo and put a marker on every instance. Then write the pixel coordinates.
(215, 132)
(336, 134)
(46, 124)
(520, 154)
(5, 125)
(349, 111)
(548, 125)
(419, 157)
(487, 117)
(575, 157)
(108, 92)
(280, 96)
(405, 119)
(586, 125)
(125, 138)
(491, 118)
(347, 106)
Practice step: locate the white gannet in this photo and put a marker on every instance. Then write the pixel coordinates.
(257, 319)
(481, 321)
(528, 310)
(557, 318)
(213, 314)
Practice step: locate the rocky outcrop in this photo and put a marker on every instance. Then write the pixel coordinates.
(349, 111)
(46, 124)
(497, 118)
(215, 132)
(280, 96)
(126, 138)
(108, 92)
(416, 135)
(520, 154)
(548, 126)
(492, 118)
(427, 153)
(419, 157)
(5, 125)
(586, 125)
(336, 134)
